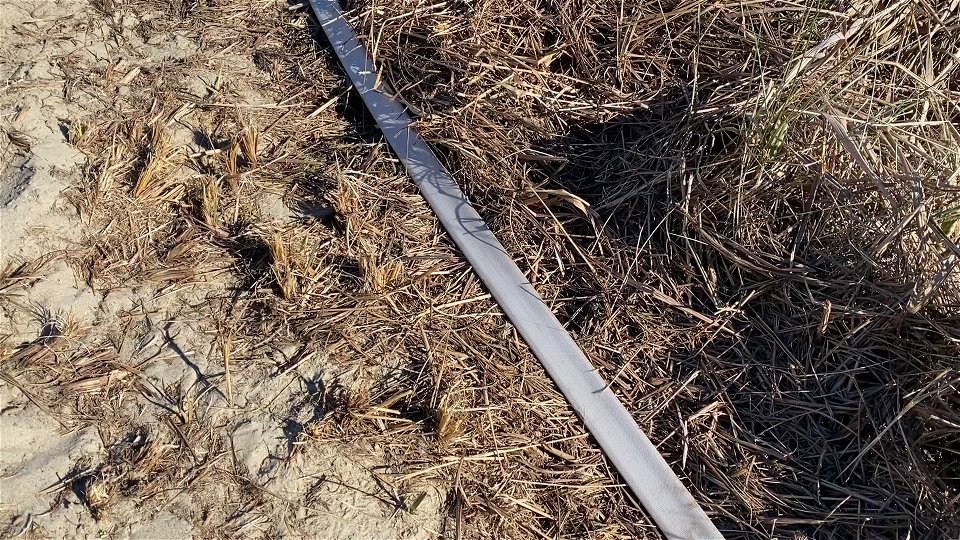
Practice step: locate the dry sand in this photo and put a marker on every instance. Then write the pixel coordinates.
(244, 451)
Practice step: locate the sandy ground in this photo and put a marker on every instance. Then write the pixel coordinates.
(244, 473)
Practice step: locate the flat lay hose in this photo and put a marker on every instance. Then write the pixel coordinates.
(657, 487)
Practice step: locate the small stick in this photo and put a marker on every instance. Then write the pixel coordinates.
(225, 349)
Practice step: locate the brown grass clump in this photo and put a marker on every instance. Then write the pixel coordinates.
(154, 178)
(764, 260)
(18, 275)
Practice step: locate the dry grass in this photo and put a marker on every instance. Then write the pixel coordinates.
(767, 266)
(746, 213)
